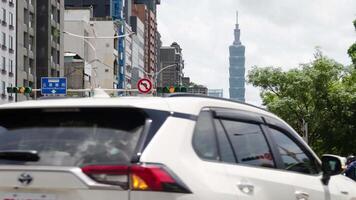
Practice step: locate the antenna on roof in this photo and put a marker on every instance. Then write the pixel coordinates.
(237, 17)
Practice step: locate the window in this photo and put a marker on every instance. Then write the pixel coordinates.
(4, 39)
(3, 15)
(25, 63)
(11, 63)
(224, 145)
(30, 21)
(11, 19)
(31, 43)
(293, 156)
(31, 67)
(204, 139)
(10, 85)
(70, 141)
(3, 63)
(249, 143)
(3, 86)
(25, 40)
(11, 42)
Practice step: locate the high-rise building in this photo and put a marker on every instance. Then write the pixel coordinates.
(151, 4)
(138, 58)
(237, 66)
(7, 48)
(26, 45)
(148, 17)
(186, 81)
(49, 47)
(216, 93)
(171, 56)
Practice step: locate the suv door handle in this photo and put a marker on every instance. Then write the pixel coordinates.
(301, 195)
(246, 188)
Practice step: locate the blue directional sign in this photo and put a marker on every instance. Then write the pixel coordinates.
(53, 86)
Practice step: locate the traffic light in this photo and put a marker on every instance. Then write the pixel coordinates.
(171, 89)
(19, 90)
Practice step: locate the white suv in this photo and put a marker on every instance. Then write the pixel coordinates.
(175, 148)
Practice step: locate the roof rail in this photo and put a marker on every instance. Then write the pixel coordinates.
(210, 97)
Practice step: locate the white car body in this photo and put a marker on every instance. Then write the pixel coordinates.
(171, 146)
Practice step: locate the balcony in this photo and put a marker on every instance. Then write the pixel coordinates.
(24, 50)
(24, 28)
(3, 71)
(11, 3)
(11, 50)
(3, 95)
(4, 1)
(3, 47)
(11, 98)
(4, 23)
(11, 74)
(31, 8)
(11, 27)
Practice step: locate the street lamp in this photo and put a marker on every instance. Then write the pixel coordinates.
(160, 71)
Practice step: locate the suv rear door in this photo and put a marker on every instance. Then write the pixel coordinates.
(69, 153)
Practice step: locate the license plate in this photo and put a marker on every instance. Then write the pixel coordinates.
(28, 196)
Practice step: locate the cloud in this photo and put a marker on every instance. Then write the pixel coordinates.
(275, 32)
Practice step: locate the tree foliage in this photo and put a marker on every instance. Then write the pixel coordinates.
(321, 93)
(352, 49)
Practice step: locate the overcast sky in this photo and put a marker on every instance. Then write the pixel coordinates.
(281, 33)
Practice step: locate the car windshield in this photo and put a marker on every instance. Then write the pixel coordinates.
(78, 137)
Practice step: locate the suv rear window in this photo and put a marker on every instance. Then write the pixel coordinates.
(72, 136)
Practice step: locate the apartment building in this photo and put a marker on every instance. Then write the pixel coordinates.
(7, 49)
(49, 53)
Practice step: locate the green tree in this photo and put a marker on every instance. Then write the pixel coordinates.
(352, 49)
(321, 93)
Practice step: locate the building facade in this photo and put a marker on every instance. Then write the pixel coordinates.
(148, 17)
(216, 93)
(101, 8)
(128, 58)
(198, 89)
(138, 58)
(7, 49)
(49, 46)
(172, 64)
(26, 40)
(99, 55)
(76, 73)
(237, 67)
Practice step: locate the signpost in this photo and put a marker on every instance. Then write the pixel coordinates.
(144, 86)
(53, 86)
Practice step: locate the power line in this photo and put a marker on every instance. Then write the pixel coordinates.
(88, 37)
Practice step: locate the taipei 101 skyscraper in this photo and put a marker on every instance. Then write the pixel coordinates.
(237, 67)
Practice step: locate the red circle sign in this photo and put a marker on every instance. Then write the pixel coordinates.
(144, 86)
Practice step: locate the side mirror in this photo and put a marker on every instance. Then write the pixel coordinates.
(331, 166)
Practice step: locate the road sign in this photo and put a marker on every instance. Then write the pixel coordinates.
(144, 86)
(53, 86)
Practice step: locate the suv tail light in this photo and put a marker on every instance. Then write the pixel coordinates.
(137, 177)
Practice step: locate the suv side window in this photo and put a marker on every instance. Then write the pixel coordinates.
(249, 143)
(204, 139)
(224, 145)
(293, 157)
